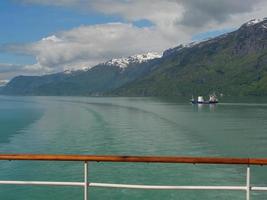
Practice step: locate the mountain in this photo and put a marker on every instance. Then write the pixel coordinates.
(132, 60)
(95, 81)
(232, 64)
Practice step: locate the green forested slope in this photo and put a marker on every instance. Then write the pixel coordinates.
(232, 64)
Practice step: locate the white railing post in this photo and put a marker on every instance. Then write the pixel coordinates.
(85, 180)
(248, 184)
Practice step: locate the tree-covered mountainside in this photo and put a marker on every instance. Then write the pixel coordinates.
(233, 64)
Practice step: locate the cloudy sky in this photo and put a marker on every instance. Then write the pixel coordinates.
(46, 36)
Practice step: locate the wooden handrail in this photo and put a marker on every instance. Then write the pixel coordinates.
(145, 159)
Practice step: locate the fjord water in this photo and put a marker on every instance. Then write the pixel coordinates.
(130, 126)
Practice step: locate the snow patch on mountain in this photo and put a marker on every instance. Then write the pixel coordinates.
(71, 71)
(191, 44)
(3, 82)
(180, 47)
(254, 21)
(140, 58)
(68, 71)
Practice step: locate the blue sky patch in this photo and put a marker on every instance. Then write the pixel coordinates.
(210, 34)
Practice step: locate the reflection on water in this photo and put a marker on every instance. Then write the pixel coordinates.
(212, 107)
(204, 107)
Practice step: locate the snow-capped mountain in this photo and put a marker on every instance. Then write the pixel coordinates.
(251, 24)
(136, 59)
(233, 64)
(120, 62)
(254, 21)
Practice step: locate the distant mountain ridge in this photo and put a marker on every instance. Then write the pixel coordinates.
(92, 81)
(233, 64)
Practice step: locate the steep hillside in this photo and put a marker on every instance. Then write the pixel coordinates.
(232, 64)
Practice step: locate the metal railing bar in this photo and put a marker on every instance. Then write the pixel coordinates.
(159, 187)
(126, 186)
(258, 188)
(85, 180)
(248, 184)
(42, 183)
(143, 159)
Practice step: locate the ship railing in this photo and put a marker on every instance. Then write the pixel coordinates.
(247, 188)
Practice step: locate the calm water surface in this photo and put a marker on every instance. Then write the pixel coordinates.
(130, 126)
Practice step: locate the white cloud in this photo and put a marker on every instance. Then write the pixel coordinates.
(8, 70)
(166, 14)
(7, 67)
(174, 22)
(89, 45)
(163, 13)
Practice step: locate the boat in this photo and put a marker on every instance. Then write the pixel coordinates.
(200, 100)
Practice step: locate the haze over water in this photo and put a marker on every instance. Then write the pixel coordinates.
(130, 126)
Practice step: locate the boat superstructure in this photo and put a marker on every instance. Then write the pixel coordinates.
(200, 100)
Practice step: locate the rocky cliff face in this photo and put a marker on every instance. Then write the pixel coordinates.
(251, 37)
